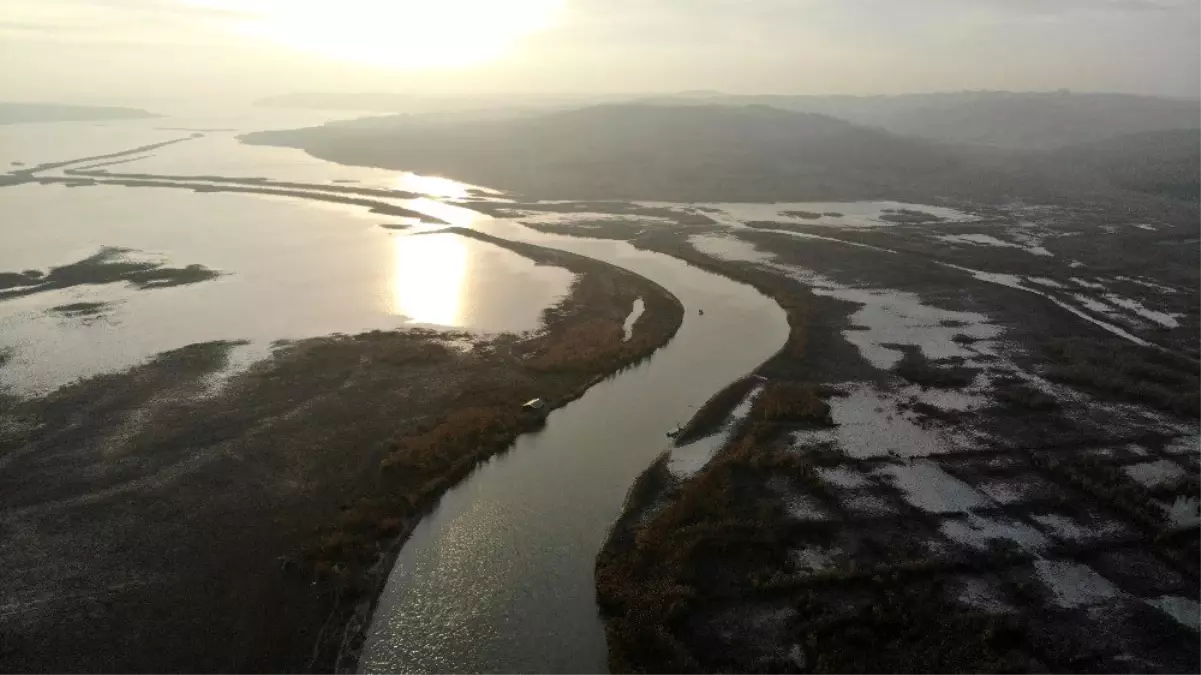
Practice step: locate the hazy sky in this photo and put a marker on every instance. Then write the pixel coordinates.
(129, 51)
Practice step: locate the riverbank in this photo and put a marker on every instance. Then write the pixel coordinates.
(239, 521)
(904, 516)
(585, 343)
(910, 466)
(254, 188)
(501, 576)
(820, 498)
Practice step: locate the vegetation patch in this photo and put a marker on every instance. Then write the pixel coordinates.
(341, 189)
(650, 572)
(25, 173)
(803, 228)
(262, 187)
(1025, 397)
(916, 368)
(910, 629)
(81, 309)
(718, 543)
(1128, 373)
(713, 413)
(608, 228)
(1108, 484)
(305, 473)
(806, 215)
(693, 216)
(712, 575)
(909, 216)
(109, 265)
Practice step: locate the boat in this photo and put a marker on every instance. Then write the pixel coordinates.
(675, 432)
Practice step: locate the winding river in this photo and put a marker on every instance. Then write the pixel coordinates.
(499, 578)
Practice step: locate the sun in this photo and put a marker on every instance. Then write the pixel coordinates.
(395, 33)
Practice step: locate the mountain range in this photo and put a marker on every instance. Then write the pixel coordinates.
(706, 152)
(997, 119)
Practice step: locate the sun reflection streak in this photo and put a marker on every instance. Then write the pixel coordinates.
(429, 278)
(432, 185)
(449, 213)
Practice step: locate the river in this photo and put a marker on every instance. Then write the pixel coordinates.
(499, 577)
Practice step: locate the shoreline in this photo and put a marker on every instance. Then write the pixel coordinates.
(362, 610)
(336, 611)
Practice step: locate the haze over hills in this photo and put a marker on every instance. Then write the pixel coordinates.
(379, 101)
(1164, 163)
(413, 103)
(19, 113)
(634, 151)
(1019, 120)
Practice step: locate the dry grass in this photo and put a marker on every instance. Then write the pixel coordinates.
(709, 418)
(1027, 398)
(916, 368)
(583, 342)
(1123, 372)
(646, 576)
(309, 467)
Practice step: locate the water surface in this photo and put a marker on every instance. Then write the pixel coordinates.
(290, 268)
(500, 577)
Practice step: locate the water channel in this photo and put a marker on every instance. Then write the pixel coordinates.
(499, 577)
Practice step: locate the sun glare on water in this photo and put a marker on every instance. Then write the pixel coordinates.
(397, 33)
(431, 185)
(429, 277)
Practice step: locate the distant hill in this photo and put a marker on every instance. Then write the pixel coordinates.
(989, 119)
(1036, 121)
(19, 113)
(631, 151)
(1027, 121)
(1162, 163)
